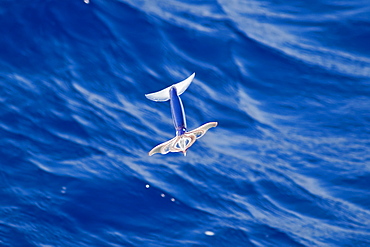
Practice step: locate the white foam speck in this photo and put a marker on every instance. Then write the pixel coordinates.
(209, 233)
(63, 190)
(147, 186)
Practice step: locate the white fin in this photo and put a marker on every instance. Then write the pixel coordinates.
(164, 94)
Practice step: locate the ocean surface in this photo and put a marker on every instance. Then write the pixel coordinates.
(287, 82)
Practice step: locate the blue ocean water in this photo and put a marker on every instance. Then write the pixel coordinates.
(288, 83)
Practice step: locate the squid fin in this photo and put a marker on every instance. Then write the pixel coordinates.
(164, 94)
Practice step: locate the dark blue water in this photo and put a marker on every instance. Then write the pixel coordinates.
(288, 83)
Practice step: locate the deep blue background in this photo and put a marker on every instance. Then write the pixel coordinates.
(288, 82)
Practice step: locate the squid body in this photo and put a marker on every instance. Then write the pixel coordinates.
(183, 139)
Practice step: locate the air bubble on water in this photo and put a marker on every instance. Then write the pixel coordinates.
(87, 1)
(163, 195)
(209, 233)
(172, 199)
(147, 186)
